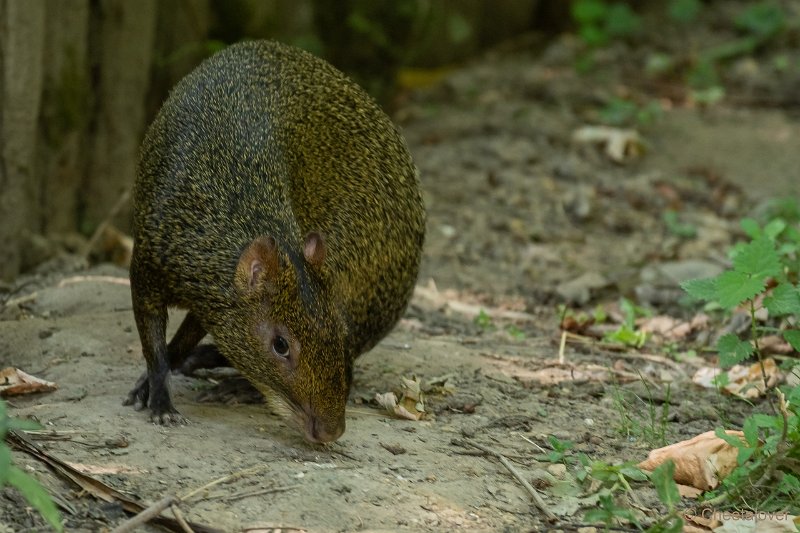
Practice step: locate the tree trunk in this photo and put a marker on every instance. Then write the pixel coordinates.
(181, 43)
(66, 101)
(123, 33)
(21, 47)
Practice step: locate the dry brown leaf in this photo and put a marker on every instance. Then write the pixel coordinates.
(688, 492)
(774, 344)
(117, 246)
(451, 300)
(14, 382)
(410, 406)
(666, 326)
(743, 381)
(620, 144)
(700, 462)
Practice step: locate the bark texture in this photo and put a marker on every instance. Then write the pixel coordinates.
(21, 47)
(121, 40)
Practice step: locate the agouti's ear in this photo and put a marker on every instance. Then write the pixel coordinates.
(258, 265)
(314, 249)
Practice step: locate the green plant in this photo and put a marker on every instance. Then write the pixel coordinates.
(684, 11)
(760, 23)
(620, 112)
(609, 513)
(655, 432)
(767, 476)
(599, 21)
(610, 476)
(627, 334)
(560, 449)
(654, 428)
(30, 489)
(678, 228)
(483, 320)
(627, 425)
(663, 479)
(762, 276)
(515, 332)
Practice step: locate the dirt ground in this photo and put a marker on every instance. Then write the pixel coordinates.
(521, 218)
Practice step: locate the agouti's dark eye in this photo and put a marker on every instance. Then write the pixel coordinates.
(280, 346)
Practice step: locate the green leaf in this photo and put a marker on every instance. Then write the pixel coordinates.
(701, 289)
(750, 430)
(758, 258)
(766, 421)
(676, 227)
(790, 485)
(784, 300)
(627, 336)
(763, 19)
(459, 28)
(744, 454)
(792, 336)
(663, 478)
(735, 287)
(592, 35)
(774, 228)
(621, 20)
(732, 440)
(23, 424)
(633, 472)
(733, 350)
(684, 10)
(5, 463)
(750, 227)
(36, 495)
(483, 320)
(588, 11)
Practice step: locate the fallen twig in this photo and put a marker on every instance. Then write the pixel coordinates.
(21, 300)
(260, 492)
(619, 351)
(145, 516)
(95, 487)
(179, 517)
(537, 499)
(224, 479)
(172, 501)
(103, 279)
(123, 199)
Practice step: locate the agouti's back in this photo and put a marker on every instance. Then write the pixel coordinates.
(275, 200)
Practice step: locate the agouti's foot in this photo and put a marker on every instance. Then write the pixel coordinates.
(140, 393)
(203, 356)
(161, 409)
(168, 418)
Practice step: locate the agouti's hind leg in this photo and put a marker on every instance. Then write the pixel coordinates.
(203, 356)
(152, 389)
(185, 341)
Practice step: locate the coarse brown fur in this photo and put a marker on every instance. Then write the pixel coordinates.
(274, 200)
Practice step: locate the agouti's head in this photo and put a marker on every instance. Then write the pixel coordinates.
(294, 333)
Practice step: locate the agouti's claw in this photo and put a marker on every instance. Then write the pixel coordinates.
(173, 418)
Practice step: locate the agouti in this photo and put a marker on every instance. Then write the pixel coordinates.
(279, 205)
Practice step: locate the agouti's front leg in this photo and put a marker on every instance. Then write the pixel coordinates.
(152, 388)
